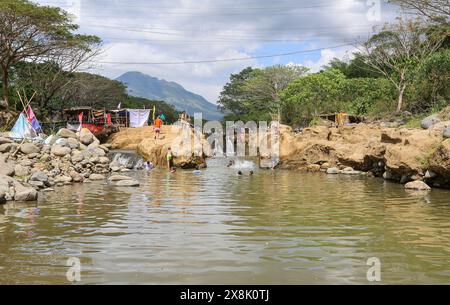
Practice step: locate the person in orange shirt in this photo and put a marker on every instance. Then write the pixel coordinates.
(158, 126)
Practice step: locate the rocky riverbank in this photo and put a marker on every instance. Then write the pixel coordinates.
(64, 158)
(404, 155)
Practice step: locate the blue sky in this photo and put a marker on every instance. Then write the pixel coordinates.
(157, 31)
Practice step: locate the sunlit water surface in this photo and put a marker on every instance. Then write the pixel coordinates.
(217, 228)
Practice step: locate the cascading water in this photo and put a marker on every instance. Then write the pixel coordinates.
(127, 159)
(243, 164)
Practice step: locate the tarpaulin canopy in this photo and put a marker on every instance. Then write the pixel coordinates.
(32, 119)
(22, 129)
(139, 117)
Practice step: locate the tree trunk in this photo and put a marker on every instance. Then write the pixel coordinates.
(5, 87)
(400, 99)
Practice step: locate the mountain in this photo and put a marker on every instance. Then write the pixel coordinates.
(145, 86)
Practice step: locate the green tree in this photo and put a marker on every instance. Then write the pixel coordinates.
(309, 96)
(266, 86)
(431, 86)
(234, 98)
(34, 33)
(397, 50)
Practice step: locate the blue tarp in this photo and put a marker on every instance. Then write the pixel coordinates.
(22, 129)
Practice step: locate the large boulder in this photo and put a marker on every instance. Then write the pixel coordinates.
(6, 169)
(5, 140)
(39, 176)
(73, 143)
(86, 137)
(25, 194)
(29, 148)
(430, 121)
(60, 151)
(8, 147)
(417, 185)
(21, 171)
(66, 133)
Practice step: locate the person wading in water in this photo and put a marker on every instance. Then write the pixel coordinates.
(170, 160)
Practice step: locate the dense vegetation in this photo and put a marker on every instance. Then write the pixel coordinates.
(403, 70)
(40, 55)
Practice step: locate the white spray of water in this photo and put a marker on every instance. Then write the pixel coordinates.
(243, 164)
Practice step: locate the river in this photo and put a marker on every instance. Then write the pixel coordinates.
(277, 227)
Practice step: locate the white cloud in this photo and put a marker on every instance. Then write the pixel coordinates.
(188, 30)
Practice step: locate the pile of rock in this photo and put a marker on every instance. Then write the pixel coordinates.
(64, 158)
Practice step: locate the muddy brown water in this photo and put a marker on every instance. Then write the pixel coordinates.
(217, 228)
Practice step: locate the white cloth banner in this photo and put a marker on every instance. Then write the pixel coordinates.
(139, 117)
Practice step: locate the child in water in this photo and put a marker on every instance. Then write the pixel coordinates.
(148, 166)
(170, 160)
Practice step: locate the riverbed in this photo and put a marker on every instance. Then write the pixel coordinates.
(275, 227)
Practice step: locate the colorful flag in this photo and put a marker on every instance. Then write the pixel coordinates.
(154, 113)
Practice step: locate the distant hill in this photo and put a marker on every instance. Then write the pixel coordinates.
(142, 85)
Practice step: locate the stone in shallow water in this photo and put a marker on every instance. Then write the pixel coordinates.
(119, 178)
(128, 183)
(417, 185)
(333, 171)
(97, 177)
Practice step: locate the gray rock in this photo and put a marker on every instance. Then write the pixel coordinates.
(21, 171)
(73, 143)
(119, 178)
(128, 183)
(103, 160)
(37, 184)
(6, 169)
(114, 168)
(333, 171)
(8, 147)
(417, 185)
(29, 148)
(5, 140)
(66, 133)
(97, 177)
(430, 174)
(60, 151)
(26, 162)
(86, 137)
(63, 179)
(77, 158)
(430, 121)
(39, 176)
(446, 133)
(62, 142)
(76, 177)
(26, 194)
(352, 172)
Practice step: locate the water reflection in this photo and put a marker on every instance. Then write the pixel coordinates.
(216, 227)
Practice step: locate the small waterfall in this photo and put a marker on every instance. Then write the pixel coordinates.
(127, 159)
(243, 164)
